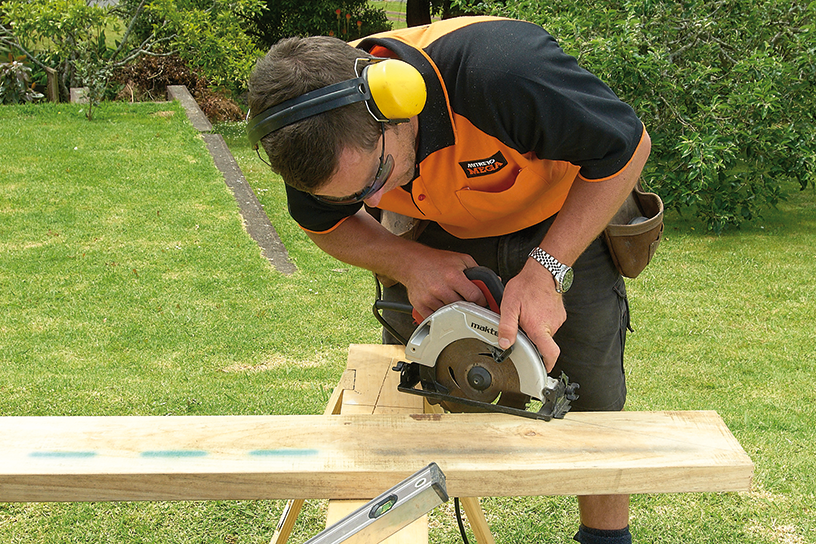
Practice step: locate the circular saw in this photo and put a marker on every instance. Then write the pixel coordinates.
(453, 358)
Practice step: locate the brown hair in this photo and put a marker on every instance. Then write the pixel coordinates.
(306, 153)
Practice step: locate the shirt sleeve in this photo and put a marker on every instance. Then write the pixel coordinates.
(316, 216)
(512, 80)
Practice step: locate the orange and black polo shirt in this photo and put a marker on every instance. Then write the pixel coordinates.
(509, 123)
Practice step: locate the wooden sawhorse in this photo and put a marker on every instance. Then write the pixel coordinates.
(369, 386)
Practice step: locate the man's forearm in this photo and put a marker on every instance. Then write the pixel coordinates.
(361, 241)
(432, 277)
(589, 208)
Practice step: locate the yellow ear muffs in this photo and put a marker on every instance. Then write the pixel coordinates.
(393, 91)
(397, 89)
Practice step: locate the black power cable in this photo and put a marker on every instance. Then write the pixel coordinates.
(459, 520)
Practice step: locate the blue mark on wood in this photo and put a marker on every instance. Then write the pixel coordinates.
(62, 454)
(173, 454)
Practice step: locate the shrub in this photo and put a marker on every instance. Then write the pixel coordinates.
(726, 90)
(72, 33)
(209, 35)
(148, 78)
(86, 41)
(15, 82)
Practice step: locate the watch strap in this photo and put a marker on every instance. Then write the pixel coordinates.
(555, 267)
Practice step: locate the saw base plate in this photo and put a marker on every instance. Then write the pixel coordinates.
(556, 405)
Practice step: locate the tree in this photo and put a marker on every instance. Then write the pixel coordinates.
(210, 35)
(77, 38)
(72, 38)
(346, 19)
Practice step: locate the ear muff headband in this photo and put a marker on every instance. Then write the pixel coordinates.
(394, 92)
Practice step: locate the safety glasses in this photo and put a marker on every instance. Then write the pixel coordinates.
(383, 173)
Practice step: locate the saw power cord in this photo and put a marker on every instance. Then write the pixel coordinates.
(459, 520)
(380, 304)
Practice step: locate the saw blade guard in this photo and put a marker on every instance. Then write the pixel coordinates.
(460, 320)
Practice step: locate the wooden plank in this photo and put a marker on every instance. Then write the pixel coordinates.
(374, 391)
(290, 513)
(357, 456)
(376, 384)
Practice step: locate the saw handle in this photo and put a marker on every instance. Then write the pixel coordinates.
(490, 285)
(484, 278)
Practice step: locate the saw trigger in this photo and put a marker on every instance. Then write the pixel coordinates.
(489, 284)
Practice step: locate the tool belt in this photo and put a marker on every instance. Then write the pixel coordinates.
(635, 231)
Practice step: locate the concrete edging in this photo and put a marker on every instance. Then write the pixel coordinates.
(256, 221)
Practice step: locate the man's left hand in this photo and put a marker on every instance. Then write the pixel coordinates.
(531, 302)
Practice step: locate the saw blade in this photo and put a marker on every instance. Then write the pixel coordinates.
(468, 369)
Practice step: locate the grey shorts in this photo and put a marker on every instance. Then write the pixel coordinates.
(593, 337)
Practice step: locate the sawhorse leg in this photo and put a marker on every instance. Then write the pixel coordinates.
(287, 521)
(476, 518)
(294, 506)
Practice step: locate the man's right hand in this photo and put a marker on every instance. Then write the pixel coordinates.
(435, 278)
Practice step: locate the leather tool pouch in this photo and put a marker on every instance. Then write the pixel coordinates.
(635, 231)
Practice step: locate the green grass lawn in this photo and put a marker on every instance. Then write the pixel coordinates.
(129, 287)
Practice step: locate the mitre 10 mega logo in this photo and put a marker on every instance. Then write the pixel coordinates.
(483, 167)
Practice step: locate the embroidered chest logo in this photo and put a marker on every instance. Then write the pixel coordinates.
(483, 167)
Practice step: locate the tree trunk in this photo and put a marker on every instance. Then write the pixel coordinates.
(418, 12)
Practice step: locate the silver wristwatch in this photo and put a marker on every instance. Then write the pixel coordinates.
(562, 273)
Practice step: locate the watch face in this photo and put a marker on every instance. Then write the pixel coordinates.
(566, 283)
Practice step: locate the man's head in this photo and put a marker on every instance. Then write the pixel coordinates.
(306, 153)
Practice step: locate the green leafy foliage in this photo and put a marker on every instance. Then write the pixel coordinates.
(72, 36)
(209, 35)
(727, 91)
(285, 18)
(87, 42)
(15, 82)
(58, 25)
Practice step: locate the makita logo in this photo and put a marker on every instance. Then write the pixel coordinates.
(483, 167)
(484, 328)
